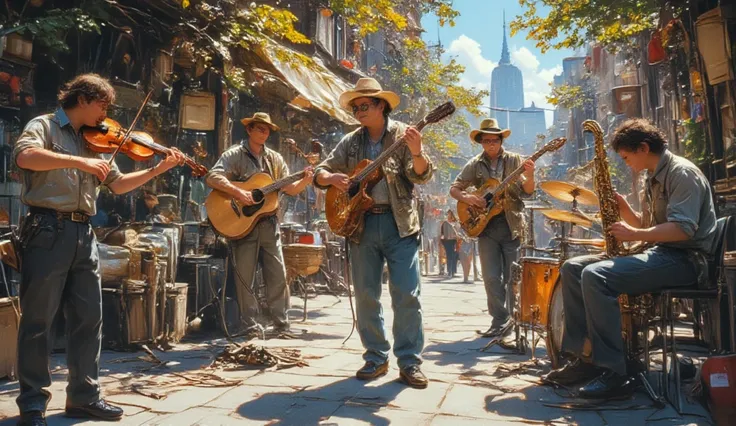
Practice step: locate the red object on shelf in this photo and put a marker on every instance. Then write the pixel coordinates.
(347, 64)
(305, 238)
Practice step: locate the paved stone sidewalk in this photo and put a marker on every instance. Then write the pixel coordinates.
(467, 386)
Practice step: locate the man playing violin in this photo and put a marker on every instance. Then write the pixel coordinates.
(60, 267)
(263, 243)
(391, 230)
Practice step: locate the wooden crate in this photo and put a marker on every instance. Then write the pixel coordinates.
(8, 335)
(176, 311)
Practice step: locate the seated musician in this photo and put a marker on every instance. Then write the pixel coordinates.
(391, 230)
(262, 243)
(678, 221)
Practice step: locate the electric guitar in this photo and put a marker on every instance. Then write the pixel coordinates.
(233, 220)
(474, 219)
(345, 210)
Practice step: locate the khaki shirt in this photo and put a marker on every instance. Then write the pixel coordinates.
(64, 190)
(478, 170)
(678, 192)
(237, 164)
(399, 172)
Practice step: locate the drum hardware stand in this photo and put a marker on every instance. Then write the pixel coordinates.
(349, 282)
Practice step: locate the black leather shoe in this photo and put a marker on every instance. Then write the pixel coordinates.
(371, 370)
(573, 372)
(97, 410)
(32, 418)
(609, 385)
(413, 377)
(502, 330)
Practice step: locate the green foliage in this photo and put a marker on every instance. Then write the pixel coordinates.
(425, 83)
(369, 16)
(694, 141)
(50, 28)
(571, 23)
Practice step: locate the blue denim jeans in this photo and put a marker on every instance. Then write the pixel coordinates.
(590, 289)
(381, 242)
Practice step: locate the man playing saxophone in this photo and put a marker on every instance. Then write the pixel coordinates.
(678, 222)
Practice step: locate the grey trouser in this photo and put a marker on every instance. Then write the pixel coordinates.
(263, 245)
(590, 290)
(60, 270)
(498, 250)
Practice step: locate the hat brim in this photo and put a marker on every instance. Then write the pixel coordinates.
(392, 98)
(247, 121)
(505, 133)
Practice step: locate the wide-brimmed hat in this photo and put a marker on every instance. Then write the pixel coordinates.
(489, 126)
(260, 117)
(369, 88)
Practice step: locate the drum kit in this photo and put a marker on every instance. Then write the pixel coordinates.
(537, 293)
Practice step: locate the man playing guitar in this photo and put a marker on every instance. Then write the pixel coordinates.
(391, 229)
(263, 242)
(499, 242)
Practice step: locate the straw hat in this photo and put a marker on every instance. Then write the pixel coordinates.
(489, 126)
(260, 117)
(369, 88)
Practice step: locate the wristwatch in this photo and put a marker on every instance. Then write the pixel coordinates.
(421, 154)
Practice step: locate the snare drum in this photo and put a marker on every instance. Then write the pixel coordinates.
(538, 279)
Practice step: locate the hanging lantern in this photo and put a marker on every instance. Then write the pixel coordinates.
(326, 12)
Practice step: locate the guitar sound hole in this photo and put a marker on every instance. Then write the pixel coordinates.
(353, 190)
(258, 197)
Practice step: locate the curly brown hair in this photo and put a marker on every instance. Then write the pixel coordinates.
(632, 133)
(91, 87)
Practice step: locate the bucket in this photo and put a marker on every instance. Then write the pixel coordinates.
(719, 374)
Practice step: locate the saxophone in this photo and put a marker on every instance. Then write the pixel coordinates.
(609, 215)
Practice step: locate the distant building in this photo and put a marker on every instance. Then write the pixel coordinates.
(507, 104)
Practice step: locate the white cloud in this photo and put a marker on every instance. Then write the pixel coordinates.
(523, 58)
(468, 52)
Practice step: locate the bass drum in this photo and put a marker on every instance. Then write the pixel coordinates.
(555, 325)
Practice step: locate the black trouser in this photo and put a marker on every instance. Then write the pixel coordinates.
(451, 255)
(60, 270)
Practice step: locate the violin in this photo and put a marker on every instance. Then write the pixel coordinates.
(107, 137)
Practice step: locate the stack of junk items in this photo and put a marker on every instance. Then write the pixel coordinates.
(141, 302)
(9, 319)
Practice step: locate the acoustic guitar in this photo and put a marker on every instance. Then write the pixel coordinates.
(233, 220)
(345, 210)
(474, 219)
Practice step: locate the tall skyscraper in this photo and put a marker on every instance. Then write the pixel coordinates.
(507, 85)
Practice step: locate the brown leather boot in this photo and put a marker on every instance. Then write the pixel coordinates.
(413, 377)
(371, 370)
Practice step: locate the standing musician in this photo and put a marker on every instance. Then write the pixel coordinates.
(679, 222)
(391, 230)
(448, 236)
(60, 268)
(263, 243)
(500, 240)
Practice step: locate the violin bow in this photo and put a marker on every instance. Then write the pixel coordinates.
(131, 127)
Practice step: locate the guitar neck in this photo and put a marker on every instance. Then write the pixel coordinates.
(385, 155)
(516, 173)
(282, 183)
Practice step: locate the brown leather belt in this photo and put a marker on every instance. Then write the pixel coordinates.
(77, 217)
(380, 209)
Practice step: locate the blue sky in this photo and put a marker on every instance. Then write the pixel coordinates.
(476, 39)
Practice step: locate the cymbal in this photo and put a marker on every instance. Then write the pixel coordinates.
(566, 216)
(564, 191)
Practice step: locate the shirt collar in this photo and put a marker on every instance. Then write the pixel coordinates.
(501, 156)
(61, 118)
(664, 161)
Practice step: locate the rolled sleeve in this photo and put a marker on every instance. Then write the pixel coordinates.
(413, 176)
(113, 175)
(224, 167)
(685, 199)
(35, 135)
(336, 162)
(466, 177)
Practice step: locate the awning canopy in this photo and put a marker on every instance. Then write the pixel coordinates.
(316, 85)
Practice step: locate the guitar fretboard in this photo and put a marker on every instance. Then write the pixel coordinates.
(516, 173)
(385, 155)
(282, 183)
